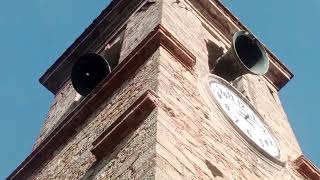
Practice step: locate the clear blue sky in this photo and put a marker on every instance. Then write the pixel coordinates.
(35, 33)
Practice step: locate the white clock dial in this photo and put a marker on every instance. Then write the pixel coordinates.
(244, 117)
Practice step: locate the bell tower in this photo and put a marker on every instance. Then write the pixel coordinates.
(166, 89)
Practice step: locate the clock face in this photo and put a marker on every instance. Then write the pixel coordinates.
(244, 118)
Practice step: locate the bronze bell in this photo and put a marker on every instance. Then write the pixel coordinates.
(246, 55)
(88, 71)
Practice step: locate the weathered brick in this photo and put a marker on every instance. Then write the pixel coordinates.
(186, 136)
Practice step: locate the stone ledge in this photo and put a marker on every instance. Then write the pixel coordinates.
(306, 168)
(124, 125)
(66, 128)
(176, 49)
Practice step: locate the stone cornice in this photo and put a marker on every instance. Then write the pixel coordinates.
(306, 168)
(160, 37)
(124, 125)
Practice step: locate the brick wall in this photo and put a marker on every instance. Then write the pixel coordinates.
(60, 106)
(186, 136)
(195, 136)
(74, 160)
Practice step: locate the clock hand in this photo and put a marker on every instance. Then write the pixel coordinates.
(254, 120)
(246, 117)
(242, 113)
